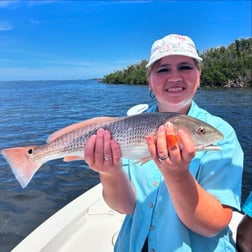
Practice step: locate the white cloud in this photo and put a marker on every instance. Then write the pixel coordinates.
(5, 4)
(29, 3)
(128, 2)
(5, 26)
(34, 21)
(39, 2)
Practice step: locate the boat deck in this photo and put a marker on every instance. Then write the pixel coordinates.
(85, 224)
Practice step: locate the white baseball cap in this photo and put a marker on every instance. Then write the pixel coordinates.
(173, 44)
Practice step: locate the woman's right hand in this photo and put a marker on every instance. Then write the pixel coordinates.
(102, 153)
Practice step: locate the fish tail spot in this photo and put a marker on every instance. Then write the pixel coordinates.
(22, 164)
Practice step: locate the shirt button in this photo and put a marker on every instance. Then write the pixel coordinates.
(151, 205)
(151, 227)
(155, 183)
(152, 250)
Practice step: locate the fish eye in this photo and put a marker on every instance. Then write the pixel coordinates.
(201, 130)
(30, 151)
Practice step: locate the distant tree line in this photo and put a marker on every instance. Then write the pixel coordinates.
(221, 67)
(133, 74)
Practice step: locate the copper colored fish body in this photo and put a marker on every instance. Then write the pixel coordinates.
(130, 132)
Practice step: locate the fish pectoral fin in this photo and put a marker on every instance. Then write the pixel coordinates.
(72, 158)
(79, 125)
(142, 161)
(172, 140)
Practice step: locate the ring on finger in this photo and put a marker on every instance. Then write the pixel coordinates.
(107, 158)
(163, 158)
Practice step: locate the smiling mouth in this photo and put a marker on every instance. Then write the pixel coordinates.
(174, 89)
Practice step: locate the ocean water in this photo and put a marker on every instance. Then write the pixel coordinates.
(31, 111)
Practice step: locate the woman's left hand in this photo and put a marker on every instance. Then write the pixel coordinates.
(171, 158)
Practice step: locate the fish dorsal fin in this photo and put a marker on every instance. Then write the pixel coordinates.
(79, 125)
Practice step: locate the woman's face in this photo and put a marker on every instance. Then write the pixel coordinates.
(174, 81)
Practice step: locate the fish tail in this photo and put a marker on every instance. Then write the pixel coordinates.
(22, 163)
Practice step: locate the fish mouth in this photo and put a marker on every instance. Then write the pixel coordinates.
(207, 147)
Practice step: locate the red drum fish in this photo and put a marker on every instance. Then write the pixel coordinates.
(130, 132)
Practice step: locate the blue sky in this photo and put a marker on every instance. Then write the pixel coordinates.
(55, 39)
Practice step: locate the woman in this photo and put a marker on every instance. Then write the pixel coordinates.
(181, 200)
(244, 229)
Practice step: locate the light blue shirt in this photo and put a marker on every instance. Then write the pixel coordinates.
(218, 172)
(247, 206)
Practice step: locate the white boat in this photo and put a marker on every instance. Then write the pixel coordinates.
(85, 224)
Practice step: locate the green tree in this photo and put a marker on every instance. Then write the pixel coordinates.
(133, 74)
(228, 67)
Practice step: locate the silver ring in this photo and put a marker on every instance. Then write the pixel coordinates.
(163, 158)
(107, 158)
